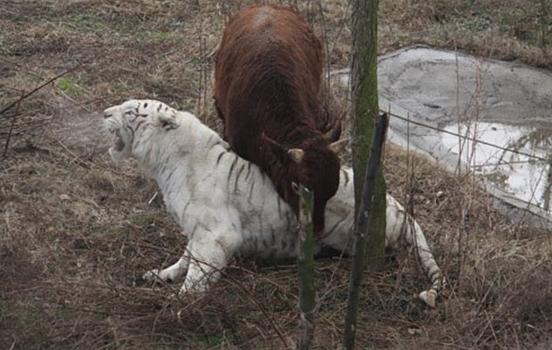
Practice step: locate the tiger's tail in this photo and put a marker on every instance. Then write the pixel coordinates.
(402, 226)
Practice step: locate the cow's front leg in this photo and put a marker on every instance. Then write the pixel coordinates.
(209, 254)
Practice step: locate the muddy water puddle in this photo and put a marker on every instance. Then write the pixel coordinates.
(524, 172)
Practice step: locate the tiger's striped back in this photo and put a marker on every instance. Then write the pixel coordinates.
(226, 205)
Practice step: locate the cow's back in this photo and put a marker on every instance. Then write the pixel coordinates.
(267, 75)
(267, 79)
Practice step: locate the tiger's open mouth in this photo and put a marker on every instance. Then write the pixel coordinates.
(118, 143)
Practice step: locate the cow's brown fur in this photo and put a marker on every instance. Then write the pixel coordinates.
(267, 82)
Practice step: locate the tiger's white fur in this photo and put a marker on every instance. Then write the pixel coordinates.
(225, 205)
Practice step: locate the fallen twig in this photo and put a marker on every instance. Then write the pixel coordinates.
(47, 82)
(10, 131)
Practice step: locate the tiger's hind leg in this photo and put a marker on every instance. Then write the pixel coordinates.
(171, 273)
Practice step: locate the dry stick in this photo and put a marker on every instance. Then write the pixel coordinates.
(409, 196)
(460, 144)
(324, 33)
(306, 268)
(548, 187)
(10, 131)
(200, 85)
(543, 19)
(14, 103)
(204, 64)
(362, 229)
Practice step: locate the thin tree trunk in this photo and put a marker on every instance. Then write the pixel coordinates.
(306, 269)
(543, 22)
(364, 229)
(365, 110)
(370, 196)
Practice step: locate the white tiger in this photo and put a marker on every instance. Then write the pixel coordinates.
(225, 205)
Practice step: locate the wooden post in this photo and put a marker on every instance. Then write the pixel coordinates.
(364, 229)
(307, 293)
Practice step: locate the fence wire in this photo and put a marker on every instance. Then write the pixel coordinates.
(465, 137)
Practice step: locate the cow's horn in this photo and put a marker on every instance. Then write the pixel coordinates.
(296, 154)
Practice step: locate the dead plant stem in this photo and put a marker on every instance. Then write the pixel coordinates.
(39, 87)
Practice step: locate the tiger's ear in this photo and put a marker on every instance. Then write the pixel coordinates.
(168, 121)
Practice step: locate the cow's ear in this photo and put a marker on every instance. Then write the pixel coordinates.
(338, 146)
(283, 154)
(278, 150)
(333, 135)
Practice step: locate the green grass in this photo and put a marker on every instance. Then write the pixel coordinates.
(90, 23)
(156, 35)
(208, 341)
(70, 87)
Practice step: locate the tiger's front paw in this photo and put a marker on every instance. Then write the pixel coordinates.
(193, 288)
(153, 275)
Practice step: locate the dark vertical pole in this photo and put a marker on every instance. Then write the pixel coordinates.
(306, 268)
(364, 229)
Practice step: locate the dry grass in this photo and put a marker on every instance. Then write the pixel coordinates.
(76, 232)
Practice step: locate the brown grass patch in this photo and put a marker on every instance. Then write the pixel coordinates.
(77, 232)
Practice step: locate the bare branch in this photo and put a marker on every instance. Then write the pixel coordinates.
(33, 91)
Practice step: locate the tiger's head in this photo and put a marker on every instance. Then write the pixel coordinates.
(135, 121)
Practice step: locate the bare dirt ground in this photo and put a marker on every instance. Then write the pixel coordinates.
(76, 231)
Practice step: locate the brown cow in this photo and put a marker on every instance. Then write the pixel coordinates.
(267, 82)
